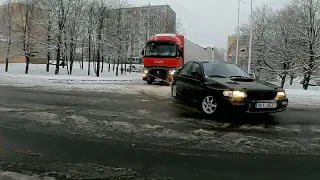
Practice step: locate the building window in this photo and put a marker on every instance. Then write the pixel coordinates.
(164, 9)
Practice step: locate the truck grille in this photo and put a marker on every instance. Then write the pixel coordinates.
(261, 95)
(159, 73)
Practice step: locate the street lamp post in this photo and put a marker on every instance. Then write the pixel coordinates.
(250, 42)
(238, 33)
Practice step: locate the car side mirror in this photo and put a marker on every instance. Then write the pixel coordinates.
(181, 52)
(252, 75)
(196, 74)
(142, 52)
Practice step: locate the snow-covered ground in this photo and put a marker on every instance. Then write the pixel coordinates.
(302, 98)
(38, 75)
(128, 83)
(17, 176)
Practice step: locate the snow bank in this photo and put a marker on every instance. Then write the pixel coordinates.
(17, 176)
(303, 98)
(38, 75)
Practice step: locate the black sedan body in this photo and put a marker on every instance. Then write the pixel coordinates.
(224, 87)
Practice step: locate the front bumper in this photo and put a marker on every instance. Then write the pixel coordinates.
(157, 74)
(249, 106)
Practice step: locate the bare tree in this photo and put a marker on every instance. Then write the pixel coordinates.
(121, 30)
(179, 27)
(9, 30)
(262, 24)
(48, 43)
(26, 9)
(90, 30)
(74, 30)
(286, 42)
(102, 12)
(282, 47)
(95, 31)
(307, 26)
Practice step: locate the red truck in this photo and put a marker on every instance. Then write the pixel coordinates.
(164, 53)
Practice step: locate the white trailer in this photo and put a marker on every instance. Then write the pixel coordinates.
(194, 52)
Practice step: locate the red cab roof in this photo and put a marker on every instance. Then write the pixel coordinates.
(165, 37)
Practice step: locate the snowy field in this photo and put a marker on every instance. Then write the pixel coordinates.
(37, 74)
(128, 83)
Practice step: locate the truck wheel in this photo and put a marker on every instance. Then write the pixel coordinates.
(149, 81)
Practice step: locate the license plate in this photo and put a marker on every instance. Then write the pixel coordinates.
(266, 105)
(158, 80)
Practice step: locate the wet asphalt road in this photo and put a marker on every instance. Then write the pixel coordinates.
(149, 162)
(61, 144)
(143, 107)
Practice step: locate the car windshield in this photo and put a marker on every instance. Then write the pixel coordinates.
(216, 69)
(163, 50)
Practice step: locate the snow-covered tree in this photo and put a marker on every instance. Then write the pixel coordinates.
(306, 24)
(285, 42)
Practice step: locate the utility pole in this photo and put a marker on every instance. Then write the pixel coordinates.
(250, 42)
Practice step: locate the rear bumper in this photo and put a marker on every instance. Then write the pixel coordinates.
(249, 106)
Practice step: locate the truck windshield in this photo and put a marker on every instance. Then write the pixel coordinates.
(163, 50)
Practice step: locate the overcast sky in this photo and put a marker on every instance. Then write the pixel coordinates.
(209, 22)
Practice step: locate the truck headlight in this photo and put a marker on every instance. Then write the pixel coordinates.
(172, 72)
(235, 94)
(281, 95)
(145, 73)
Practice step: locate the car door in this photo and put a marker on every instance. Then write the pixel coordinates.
(194, 83)
(182, 77)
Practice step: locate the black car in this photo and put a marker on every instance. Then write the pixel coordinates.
(224, 87)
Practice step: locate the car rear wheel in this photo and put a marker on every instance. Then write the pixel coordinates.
(209, 105)
(174, 91)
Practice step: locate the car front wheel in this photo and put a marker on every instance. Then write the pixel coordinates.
(209, 105)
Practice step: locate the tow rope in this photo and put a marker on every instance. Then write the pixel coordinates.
(160, 78)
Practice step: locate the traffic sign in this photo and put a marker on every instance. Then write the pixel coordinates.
(242, 50)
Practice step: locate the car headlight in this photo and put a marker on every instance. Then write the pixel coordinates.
(145, 71)
(235, 94)
(172, 72)
(281, 95)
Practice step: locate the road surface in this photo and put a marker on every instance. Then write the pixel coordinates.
(153, 137)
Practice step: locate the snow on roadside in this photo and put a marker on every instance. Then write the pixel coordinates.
(31, 80)
(2, 109)
(125, 84)
(41, 117)
(36, 171)
(38, 75)
(163, 135)
(211, 139)
(17, 176)
(303, 98)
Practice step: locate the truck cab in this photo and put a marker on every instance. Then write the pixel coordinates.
(162, 55)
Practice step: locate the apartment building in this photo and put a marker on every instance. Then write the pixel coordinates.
(143, 22)
(16, 12)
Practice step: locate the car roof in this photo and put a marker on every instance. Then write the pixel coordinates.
(210, 61)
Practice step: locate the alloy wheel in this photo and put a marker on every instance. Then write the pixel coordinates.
(209, 105)
(174, 91)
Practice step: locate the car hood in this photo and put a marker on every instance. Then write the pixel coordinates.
(249, 84)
